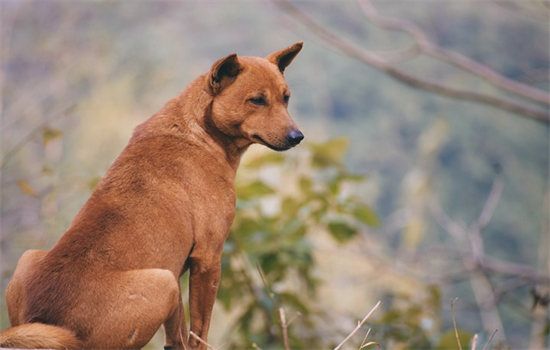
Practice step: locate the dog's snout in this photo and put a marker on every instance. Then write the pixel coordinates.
(294, 137)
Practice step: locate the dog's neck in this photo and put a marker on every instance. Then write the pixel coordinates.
(189, 116)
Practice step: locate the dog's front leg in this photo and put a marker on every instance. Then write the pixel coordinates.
(203, 286)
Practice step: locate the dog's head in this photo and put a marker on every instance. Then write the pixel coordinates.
(250, 99)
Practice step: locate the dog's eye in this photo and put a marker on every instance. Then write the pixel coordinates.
(286, 98)
(258, 101)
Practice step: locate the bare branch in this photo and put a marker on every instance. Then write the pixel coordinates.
(377, 62)
(457, 231)
(486, 346)
(454, 58)
(474, 257)
(400, 55)
(294, 318)
(359, 324)
(474, 234)
(490, 264)
(490, 205)
(394, 24)
(538, 12)
(486, 301)
(284, 328)
(482, 287)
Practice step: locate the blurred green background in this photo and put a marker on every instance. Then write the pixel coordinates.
(349, 218)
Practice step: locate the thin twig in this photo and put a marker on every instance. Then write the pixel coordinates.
(284, 328)
(359, 324)
(486, 346)
(490, 204)
(474, 233)
(298, 314)
(453, 315)
(364, 339)
(265, 282)
(365, 344)
(201, 341)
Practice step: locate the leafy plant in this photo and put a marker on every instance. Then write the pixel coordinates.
(284, 200)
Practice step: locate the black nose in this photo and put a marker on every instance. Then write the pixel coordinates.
(294, 137)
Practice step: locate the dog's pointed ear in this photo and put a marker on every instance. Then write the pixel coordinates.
(223, 72)
(282, 58)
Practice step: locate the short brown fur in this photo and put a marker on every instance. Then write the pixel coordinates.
(164, 206)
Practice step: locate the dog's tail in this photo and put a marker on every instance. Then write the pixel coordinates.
(39, 336)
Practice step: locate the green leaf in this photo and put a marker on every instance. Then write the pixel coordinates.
(290, 206)
(434, 297)
(306, 184)
(294, 300)
(253, 190)
(244, 227)
(50, 134)
(335, 185)
(267, 159)
(366, 215)
(353, 177)
(341, 231)
(329, 153)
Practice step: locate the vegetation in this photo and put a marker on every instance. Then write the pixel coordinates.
(269, 262)
(416, 198)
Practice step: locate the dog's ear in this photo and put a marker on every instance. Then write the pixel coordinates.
(223, 72)
(282, 58)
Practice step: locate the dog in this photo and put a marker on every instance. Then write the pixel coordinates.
(165, 206)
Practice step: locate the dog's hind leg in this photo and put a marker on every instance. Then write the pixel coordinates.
(176, 330)
(15, 292)
(126, 308)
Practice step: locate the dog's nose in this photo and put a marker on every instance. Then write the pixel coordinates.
(294, 137)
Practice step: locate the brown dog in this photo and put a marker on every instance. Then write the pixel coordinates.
(165, 206)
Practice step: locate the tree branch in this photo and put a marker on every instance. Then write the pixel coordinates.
(454, 58)
(487, 263)
(379, 63)
(482, 287)
(512, 269)
(359, 325)
(284, 328)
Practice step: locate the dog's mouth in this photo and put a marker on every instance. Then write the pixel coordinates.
(273, 147)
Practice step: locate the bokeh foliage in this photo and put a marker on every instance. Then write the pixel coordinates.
(268, 261)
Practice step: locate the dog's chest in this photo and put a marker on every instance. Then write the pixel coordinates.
(214, 208)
